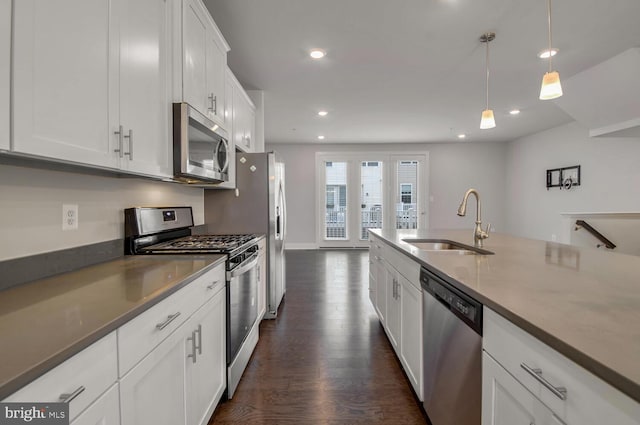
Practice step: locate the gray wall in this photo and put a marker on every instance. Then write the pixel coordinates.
(453, 168)
(610, 178)
(31, 207)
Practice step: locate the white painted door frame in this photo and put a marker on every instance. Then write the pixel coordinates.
(389, 188)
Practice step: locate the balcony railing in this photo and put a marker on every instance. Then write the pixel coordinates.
(406, 217)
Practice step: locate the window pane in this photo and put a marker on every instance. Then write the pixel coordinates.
(336, 206)
(406, 196)
(370, 197)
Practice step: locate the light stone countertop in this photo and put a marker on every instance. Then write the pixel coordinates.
(45, 322)
(582, 302)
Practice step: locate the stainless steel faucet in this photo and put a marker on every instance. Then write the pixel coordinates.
(478, 234)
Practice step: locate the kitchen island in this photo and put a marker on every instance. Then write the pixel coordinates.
(582, 302)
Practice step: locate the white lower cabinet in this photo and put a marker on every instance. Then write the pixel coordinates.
(574, 395)
(153, 392)
(182, 379)
(79, 381)
(104, 411)
(172, 367)
(372, 280)
(411, 332)
(506, 402)
(393, 307)
(398, 303)
(206, 368)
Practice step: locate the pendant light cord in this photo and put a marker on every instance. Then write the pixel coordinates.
(549, 20)
(487, 65)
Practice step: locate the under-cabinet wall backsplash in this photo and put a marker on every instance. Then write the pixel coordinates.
(31, 207)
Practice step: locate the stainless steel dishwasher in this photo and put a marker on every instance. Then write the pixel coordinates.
(452, 326)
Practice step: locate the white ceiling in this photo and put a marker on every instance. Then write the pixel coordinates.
(413, 70)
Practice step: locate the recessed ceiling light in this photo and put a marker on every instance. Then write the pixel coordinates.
(320, 137)
(514, 111)
(322, 113)
(317, 54)
(462, 136)
(546, 53)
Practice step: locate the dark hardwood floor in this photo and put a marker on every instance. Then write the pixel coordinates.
(326, 358)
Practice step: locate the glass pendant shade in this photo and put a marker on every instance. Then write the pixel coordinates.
(487, 120)
(551, 87)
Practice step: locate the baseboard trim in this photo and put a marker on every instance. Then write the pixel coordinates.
(301, 245)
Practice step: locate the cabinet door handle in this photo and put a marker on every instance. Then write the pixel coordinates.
(214, 104)
(130, 137)
(120, 134)
(68, 397)
(215, 282)
(170, 318)
(199, 332)
(193, 354)
(560, 392)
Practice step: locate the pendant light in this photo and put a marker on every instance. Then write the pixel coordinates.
(487, 121)
(551, 87)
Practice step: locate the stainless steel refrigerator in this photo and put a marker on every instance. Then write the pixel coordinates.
(256, 206)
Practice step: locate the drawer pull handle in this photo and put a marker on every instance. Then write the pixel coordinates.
(170, 318)
(560, 392)
(215, 282)
(68, 397)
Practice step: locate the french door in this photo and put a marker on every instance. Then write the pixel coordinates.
(361, 191)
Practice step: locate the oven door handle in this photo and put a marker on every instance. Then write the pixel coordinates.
(247, 264)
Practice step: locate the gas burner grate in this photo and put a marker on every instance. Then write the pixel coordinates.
(210, 242)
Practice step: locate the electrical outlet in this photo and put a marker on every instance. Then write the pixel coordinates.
(69, 216)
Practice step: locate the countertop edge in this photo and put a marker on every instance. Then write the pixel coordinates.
(26, 377)
(602, 371)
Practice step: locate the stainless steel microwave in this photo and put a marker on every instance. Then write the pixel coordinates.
(200, 147)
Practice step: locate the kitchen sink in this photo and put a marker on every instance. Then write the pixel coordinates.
(446, 245)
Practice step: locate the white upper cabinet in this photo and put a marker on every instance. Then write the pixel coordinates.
(5, 48)
(63, 65)
(144, 96)
(91, 83)
(216, 69)
(244, 118)
(204, 61)
(228, 120)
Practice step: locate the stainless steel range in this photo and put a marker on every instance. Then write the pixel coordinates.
(168, 231)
